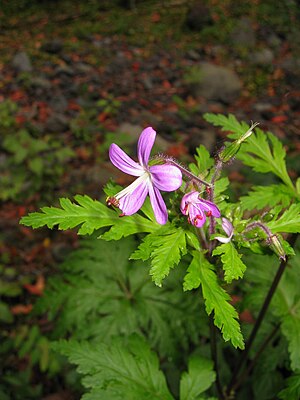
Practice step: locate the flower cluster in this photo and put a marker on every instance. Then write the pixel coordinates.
(153, 179)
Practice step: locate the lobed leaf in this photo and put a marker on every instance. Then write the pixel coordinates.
(261, 151)
(267, 196)
(90, 215)
(199, 378)
(200, 272)
(232, 264)
(292, 391)
(165, 247)
(127, 370)
(289, 221)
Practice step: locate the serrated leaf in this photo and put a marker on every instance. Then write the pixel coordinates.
(203, 161)
(199, 378)
(289, 221)
(128, 369)
(99, 294)
(165, 247)
(263, 196)
(227, 123)
(90, 215)
(261, 151)
(233, 266)
(200, 272)
(292, 391)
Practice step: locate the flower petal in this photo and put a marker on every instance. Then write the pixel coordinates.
(131, 202)
(209, 206)
(223, 239)
(227, 227)
(122, 161)
(158, 205)
(196, 216)
(145, 144)
(166, 177)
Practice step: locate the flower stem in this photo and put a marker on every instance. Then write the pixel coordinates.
(214, 356)
(260, 318)
(185, 171)
(256, 357)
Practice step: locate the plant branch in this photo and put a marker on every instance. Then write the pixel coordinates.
(260, 318)
(256, 357)
(214, 355)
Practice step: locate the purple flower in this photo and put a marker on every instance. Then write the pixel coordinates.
(228, 229)
(197, 209)
(150, 179)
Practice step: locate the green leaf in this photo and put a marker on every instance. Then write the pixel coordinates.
(5, 314)
(261, 151)
(232, 264)
(203, 161)
(292, 391)
(165, 247)
(127, 370)
(99, 294)
(91, 215)
(290, 327)
(263, 196)
(216, 299)
(289, 221)
(199, 378)
(227, 123)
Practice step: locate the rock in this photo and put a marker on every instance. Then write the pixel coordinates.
(83, 68)
(58, 102)
(54, 46)
(193, 55)
(263, 56)
(243, 34)
(135, 130)
(198, 16)
(64, 70)
(147, 82)
(57, 123)
(40, 83)
(291, 67)
(21, 62)
(214, 83)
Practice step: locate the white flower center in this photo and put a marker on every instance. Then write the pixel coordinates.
(129, 189)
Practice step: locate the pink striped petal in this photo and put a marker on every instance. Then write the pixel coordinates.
(122, 161)
(145, 144)
(166, 177)
(133, 201)
(158, 205)
(209, 206)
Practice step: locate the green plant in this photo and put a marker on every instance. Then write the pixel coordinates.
(243, 301)
(30, 164)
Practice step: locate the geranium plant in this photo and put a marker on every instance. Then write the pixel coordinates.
(230, 254)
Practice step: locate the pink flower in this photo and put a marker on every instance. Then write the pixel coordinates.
(228, 229)
(150, 179)
(198, 209)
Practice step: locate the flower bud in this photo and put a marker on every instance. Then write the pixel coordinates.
(230, 151)
(276, 246)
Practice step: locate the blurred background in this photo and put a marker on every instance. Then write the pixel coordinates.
(76, 76)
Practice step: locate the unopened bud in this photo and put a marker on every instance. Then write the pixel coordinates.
(230, 151)
(276, 246)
